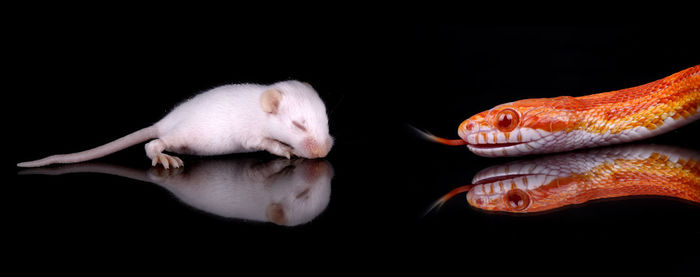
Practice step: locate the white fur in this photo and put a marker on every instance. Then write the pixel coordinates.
(228, 119)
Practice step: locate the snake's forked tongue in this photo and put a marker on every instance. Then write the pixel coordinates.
(433, 138)
(448, 196)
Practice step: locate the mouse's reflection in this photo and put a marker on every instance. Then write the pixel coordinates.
(556, 181)
(282, 191)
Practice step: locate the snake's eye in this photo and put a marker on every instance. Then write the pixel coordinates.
(507, 120)
(517, 199)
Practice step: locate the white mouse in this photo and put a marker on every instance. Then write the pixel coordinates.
(286, 118)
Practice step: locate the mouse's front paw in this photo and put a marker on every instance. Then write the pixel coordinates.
(167, 160)
(278, 148)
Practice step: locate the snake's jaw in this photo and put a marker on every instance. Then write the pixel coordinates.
(513, 200)
(479, 201)
(504, 188)
(485, 141)
(517, 129)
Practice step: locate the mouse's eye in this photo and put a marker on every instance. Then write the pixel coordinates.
(299, 125)
(507, 120)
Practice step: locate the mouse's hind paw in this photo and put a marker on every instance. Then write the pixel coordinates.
(167, 161)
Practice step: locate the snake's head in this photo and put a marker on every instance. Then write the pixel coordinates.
(514, 201)
(520, 128)
(532, 185)
(530, 188)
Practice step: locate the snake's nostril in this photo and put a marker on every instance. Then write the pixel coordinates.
(467, 127)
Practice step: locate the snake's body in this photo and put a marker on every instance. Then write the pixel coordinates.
(561, 180)
(546, 125)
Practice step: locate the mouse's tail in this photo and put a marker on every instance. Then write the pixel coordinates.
(97, 152)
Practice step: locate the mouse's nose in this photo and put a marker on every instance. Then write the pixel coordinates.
(316, 149)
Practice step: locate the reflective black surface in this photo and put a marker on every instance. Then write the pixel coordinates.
(282, 191)
(85, 85)
(549, 183)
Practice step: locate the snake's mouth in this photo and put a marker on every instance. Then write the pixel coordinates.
(493, 145)
(488, 140)
(498, 178)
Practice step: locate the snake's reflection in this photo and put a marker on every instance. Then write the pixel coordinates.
(282, 191)
(556, 181)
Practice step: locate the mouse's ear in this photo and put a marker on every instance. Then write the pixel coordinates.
(270, 100)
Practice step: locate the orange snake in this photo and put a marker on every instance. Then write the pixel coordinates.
(547, 125)
(572, 178)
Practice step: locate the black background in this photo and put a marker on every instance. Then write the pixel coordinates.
(85, 80)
